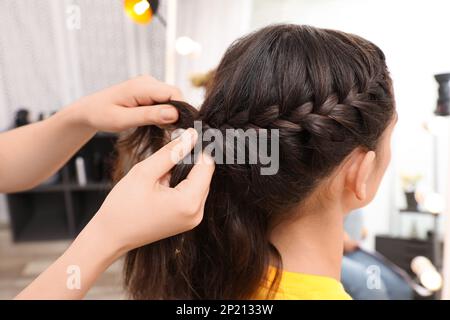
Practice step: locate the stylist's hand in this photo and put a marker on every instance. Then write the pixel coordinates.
(142, 209)
(127, 105)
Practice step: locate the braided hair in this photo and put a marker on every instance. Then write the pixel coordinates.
(327, 92)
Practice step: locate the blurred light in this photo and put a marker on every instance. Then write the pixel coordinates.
(437, 126)
(433, 202)
(141, 11)
(186, 46)
(141, 7)
(426, 273)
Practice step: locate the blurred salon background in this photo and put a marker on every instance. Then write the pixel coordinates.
(55, 51)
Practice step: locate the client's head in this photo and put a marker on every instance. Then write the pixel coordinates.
(330, 97)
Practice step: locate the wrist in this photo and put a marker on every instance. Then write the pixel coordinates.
(75, 115)
(101, 242)
(106, 229)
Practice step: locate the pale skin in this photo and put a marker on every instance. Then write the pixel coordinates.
(313, 241)
(139, 210)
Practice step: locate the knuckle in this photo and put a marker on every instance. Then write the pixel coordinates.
(138, 82)
(129, 85)
(176, 91)
(192, 208)
(146, 79)
(196, 220)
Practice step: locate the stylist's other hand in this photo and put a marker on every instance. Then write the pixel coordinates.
(142, 209)
(130, 104)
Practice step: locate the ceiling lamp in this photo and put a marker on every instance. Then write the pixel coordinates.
(141, 11)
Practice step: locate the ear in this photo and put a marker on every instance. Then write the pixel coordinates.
(362, 164)
(365, 168)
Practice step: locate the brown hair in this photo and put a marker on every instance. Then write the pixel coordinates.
(327, 92)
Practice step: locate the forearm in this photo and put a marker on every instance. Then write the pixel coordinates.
(32, 153)
(74, 273)
(139, 210)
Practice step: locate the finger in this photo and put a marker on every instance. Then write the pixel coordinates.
(168, 156)
(164, 92)
(147, 115)
(165, 180)
(148, 91)
(196, 184)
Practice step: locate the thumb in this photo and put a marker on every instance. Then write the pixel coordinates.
(147, 115)
(168, 156)
(196, 184)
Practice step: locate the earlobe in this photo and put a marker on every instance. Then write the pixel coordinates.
(365, 168)
(361, 192)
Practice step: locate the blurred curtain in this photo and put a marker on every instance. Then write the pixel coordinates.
(54, 51)
(46, 61)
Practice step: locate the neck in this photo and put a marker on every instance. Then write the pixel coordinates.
(313, 242)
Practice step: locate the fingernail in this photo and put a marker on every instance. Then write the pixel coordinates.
(168, 113)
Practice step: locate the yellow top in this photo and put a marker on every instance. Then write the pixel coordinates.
(300, 286)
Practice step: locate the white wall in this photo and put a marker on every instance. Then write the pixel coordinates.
(214, 25)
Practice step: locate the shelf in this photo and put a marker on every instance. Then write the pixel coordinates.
(85, 205)
(61, 207)
(51, 226)
(101, 186)
(39, 216)
(44, 188)
(103, 134)
(418, 212)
